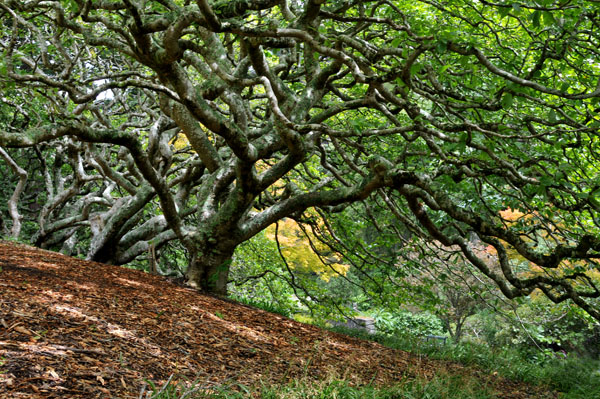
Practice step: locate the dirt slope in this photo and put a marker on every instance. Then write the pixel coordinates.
(76, 329)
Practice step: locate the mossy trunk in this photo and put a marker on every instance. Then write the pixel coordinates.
(209, 271)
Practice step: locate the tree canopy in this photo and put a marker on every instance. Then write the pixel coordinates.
(208, 121)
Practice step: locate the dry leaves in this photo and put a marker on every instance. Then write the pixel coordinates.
(77, 329)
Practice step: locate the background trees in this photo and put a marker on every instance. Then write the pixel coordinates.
(431, 119)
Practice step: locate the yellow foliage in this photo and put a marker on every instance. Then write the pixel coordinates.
(180, 141)
(564, 268)
(512, 215)
(277, 187)
(297, 250)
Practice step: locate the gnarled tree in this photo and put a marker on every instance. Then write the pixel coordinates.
(449, 112)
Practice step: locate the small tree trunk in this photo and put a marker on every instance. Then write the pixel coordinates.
(152, 259)
(70, 243)
(3, 230)
(13, 202)
(458, 332)
(209, 271)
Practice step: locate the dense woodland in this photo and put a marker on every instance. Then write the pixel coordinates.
(433, 164)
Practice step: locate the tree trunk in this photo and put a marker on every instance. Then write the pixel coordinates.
(13, 202)
(458, 332)
(208, 270)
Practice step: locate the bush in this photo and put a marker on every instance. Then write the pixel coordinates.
(407, 323)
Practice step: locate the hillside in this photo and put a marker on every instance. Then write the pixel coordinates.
(78, 329)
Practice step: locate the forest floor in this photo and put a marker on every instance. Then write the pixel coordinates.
(77, 329)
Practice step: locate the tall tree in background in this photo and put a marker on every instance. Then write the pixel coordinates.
(446, 112)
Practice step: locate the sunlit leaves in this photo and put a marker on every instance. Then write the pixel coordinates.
(305, 252)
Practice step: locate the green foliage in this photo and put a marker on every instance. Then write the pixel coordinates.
(259, 257)
(263, 304)
(173, 260)
(575, 376)
(541, 328)
(219, 315)
(407, 323)
(440, 387)
(260, 277)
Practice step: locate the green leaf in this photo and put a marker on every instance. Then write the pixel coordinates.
(546, 181)
(535, 18)
(442, 46)
(72, 6)
(503, 11)
(396, 42)
(462, 145)
(548, 18)
(507, 100)
(415, 68)
(445, 68)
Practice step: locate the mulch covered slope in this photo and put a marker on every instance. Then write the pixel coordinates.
(76, 329)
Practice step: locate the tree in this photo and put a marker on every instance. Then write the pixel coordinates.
(447, 112)
(452, 290)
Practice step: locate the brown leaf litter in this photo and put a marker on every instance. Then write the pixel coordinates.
(77, 329)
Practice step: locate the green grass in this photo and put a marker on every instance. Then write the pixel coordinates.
(575, 377)
(263, 304)
(441, 387)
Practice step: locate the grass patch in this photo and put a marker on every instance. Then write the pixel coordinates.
(575, 377)
(269, 306)
(441, 387)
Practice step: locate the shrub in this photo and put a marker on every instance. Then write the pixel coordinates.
(408, 323)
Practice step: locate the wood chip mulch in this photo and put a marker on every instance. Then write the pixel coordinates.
(77, 329)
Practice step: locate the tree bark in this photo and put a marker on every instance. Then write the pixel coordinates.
(458, 332)
(13, 208)
(208, 270)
